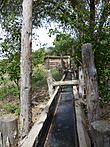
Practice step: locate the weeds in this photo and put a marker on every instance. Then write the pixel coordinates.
(12, 108)
(9, 90)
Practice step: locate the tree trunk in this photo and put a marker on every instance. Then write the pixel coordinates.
(90, 74)
(8, 131)
(26, 69)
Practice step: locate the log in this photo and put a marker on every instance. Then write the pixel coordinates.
(8, 131)
(81, 83)
(101, 133)
(91, 85)
(50, 83)
(65, 83)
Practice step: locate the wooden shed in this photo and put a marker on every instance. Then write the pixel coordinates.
(55, 61)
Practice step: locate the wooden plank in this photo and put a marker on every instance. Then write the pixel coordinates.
(65, 83)
(83, 137)
(35, 130)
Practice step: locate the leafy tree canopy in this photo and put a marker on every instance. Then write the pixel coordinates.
(88, 20)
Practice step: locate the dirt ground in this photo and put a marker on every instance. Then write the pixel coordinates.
(40, 98)
(39, 101)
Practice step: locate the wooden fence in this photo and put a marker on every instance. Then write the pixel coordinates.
(87, 93)
(88, 88)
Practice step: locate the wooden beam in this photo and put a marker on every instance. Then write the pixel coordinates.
(50, 83)
(83, 137)
(65, 83)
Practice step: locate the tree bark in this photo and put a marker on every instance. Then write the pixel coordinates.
(81, 83)
(91, 85)
(26, 69)
(8, 131)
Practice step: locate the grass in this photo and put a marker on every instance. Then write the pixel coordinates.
(39, 77)
(10, 90)
(9, 93)
(12, 108)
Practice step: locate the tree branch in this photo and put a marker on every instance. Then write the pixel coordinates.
(104, 15)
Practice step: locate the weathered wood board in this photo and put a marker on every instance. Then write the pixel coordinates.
(64, 83)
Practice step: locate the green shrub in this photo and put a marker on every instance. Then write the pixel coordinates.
(9, 90)
(56, 74)
(39, 76)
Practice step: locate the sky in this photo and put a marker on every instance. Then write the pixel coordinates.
(41, 38)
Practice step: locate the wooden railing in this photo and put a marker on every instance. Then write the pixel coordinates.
(85, 91)
(88, 93)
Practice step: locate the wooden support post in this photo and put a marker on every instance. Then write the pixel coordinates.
(48, 64)
(26, 70)
(101, 133)
(62, 64)
(8, 131)
(50, 83)
(90, 74)
(75, 89)
(81, 83)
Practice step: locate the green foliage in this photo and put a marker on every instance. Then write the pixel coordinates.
(39, 76)
(102, 60)
(10, 67)
(10, 47)
(10, 108)
(87, 20)
(8, 91)
(38, 56)
(81, 17)
(56, 74)
(63, 44)
(2, 70)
